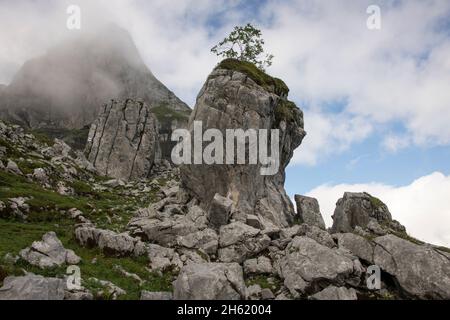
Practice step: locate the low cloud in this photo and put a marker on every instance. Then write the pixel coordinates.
(422, 206)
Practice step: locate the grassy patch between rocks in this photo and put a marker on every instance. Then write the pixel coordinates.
(272, 84)
(15, 236)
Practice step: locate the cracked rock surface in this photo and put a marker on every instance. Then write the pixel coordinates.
(123, 141)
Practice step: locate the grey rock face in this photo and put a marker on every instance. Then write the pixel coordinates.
(49, 253)
(110, 242)
(231, 100)
(32, 287)
(308, 211)
(420, 270)
(210, 281)
(307, 264)
(147, 295)
(335, 293)
(219, 211)
(361, 209)
(238, 242)
(123, 142)
(358, 245)
(65, 87)
(260, 265)
(206, 240)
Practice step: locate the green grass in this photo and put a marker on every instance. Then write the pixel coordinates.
(376, 203)
(76, 138)
(287, 111)
(163, 112)
(15, 236)
(272, 84)
(263, 282)
(11, 150)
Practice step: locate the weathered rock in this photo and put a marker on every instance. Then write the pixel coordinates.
(210, 281)
(109, 242)
(110, 289)
(420, 270)
(254, 292)
(308, 211)
(219, 211)
(163, 232)
(230, 99)
(206, 239)
(123, 142)
(335, 293)
(267, 294)
(40, 175)
(32, 287)
(358, 245)
(163, 259)
(49, 253)
(307, 265)
(147, 295)
(260, 265)
(238, 242)
(12, 167)
(359, 209)
(310, 231)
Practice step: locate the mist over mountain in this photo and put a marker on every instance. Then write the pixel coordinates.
(66, 87)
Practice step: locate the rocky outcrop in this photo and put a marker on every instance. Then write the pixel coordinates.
(335, 293)
(210, 281)
(111, 243)
(421, 271)
(32, 287)
(123, 142)
(49, 253)
(307, 266)
(308, 211)
(236, 95)
(365, 212)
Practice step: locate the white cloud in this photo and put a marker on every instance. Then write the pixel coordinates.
(423, 207)
(323, 50)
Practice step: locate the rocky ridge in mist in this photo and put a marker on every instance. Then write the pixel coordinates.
(66, 87)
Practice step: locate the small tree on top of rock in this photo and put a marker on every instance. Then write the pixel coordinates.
(245, 44)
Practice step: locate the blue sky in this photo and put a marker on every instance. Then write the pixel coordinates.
(376, 103)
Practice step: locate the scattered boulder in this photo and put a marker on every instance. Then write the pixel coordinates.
(260, 265)
(308, 211)
(307, 265)
(206, 239)
(32, 287)
(358, 245)
(123, 142)
(147, 295)
(12, 167)
(420, 270)
(111, 243)
(49, 253)
(210, 281)
(238, 242)
(219, 211)
(335, 293)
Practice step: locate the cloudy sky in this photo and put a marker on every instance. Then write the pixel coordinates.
(376, 102)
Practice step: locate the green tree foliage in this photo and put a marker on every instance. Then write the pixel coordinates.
(245, 44)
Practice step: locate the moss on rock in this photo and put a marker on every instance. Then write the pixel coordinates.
(272, 84)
